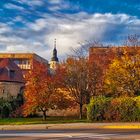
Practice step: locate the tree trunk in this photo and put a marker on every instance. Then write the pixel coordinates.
(44, 116)
(81, 112)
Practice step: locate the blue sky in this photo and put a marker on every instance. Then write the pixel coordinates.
(32, 25)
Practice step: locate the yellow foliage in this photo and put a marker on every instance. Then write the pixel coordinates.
(123, 76)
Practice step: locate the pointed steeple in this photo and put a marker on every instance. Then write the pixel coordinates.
(54, 57)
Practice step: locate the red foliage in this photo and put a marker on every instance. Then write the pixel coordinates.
(42, 90)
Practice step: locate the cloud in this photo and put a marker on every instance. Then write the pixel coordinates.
(38, 25)
(69, 30)
(55, 1)
(13, 6)
(30, 2)
(4, 28)
(59, 6)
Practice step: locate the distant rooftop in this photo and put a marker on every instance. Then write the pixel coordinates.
(10, 72)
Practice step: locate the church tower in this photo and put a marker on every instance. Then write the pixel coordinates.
(54, 60)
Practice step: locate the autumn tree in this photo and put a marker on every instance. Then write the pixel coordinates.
(99, 60)
(132, 41)
(83, 76)
(42, 91)
(95, 78)
(123, 75)
(76, 81)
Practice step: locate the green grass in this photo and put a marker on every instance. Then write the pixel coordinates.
(50, 120)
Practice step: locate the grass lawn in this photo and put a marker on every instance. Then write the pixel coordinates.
(50, 120)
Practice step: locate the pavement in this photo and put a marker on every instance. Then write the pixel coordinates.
(72, 126)
(71, 134)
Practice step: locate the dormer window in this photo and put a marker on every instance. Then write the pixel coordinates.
(12, 73)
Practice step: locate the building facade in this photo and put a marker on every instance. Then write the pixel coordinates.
(13, 67)
(104, 55)
(25, 61)
(11, 79)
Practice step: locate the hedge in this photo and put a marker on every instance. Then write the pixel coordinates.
(126, 109)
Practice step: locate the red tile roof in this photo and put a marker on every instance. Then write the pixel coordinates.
(10, 72)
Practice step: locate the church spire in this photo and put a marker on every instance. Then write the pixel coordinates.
(55, 43)
(54, 57)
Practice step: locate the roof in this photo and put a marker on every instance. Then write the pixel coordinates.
(10, 72)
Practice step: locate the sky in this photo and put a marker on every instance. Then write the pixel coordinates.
(32, 25)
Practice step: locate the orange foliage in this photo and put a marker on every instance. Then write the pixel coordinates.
(42, 90)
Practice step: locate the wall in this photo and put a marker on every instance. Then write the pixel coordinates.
(8, 89)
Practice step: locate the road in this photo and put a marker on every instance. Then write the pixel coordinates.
(74, 134)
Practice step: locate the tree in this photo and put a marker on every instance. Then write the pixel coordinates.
(95, 78)
(76, 81)
(42, 91)
(83, 76)
(99, 61)
(133, 41)
(123, 75)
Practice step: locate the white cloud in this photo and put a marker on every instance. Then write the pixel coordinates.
(18, 19)
(54, 8)
(4, 28)
(30, 2)
(34, 2)
(68, 30)
(38, 25)
(54, 1)
(56, 5)
(13, 6)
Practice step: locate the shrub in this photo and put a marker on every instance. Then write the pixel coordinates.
(114, 109)
(5, 108)
(97, 108)
(18, 112)
(112, 114)
(10, 108)
(123, 109)
(137, 112)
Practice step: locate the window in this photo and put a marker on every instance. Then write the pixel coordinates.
(12, 73)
